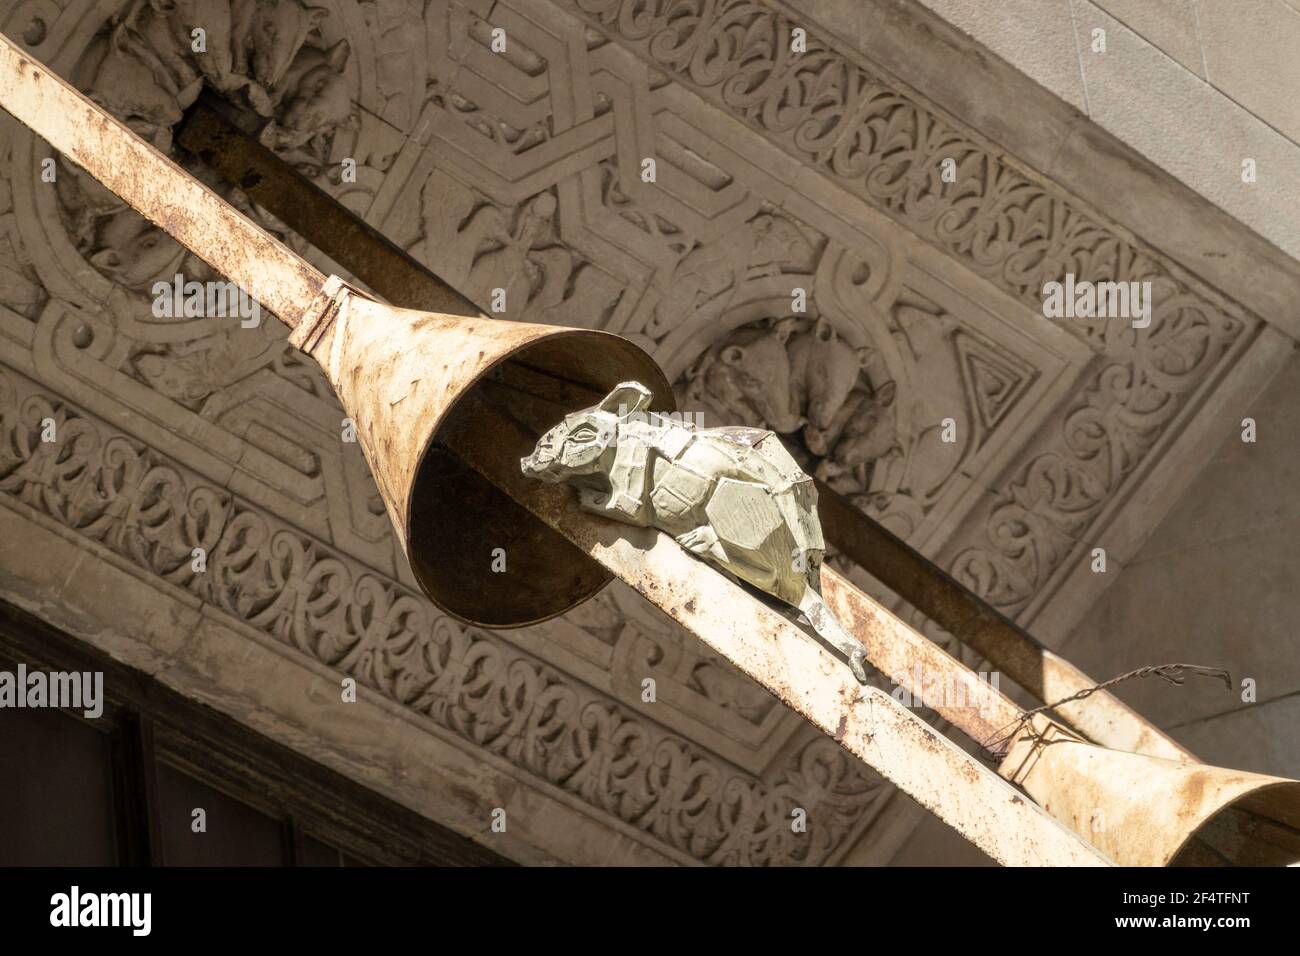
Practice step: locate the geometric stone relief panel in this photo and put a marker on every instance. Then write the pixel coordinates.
(882, 144)
(714, 247)
(729, 259)
(886, 146)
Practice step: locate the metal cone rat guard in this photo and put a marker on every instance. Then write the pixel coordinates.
(731, 495)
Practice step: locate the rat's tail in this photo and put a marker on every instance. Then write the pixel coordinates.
(824, 623)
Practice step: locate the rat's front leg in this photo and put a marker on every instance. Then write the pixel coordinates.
(616, 507)
(592, 499)
(703, 542)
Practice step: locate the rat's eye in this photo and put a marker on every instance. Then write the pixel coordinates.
(584, 433)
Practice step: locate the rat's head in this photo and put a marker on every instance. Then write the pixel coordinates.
(583, 443)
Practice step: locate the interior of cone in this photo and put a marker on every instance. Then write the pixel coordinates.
(1261, 828)
(480, 555)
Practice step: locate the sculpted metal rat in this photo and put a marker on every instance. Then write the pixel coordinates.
(731, 495)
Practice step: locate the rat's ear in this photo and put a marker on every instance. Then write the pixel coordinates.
(733, 354)
(337, 56)
(626, 398)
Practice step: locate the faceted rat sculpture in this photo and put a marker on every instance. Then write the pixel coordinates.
(732, 496)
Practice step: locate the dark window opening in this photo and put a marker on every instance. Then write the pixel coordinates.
(124, 788)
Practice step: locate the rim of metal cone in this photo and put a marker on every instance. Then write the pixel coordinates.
(1259, 828)
(1142, 810)
(403, 377)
